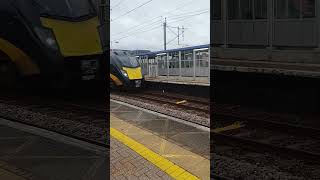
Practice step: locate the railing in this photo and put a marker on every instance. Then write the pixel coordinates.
(194, 64)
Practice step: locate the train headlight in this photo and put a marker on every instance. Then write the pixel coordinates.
(47, 37)
(124, 73)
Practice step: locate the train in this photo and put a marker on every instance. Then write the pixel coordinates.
(58, 41)
(125, 71)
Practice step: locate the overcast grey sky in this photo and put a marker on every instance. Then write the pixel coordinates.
(142, 28)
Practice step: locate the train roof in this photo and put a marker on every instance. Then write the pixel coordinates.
(174, 50)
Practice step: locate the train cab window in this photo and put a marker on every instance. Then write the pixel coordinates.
(66, 8)
(308, 8)
(294, 9)
(246, 9)
(217, 9)
(240, 9)
(260, 9)
(233, 9)
(281, 8)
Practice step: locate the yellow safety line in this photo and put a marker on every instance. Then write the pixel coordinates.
(233, 126)
(162, 163)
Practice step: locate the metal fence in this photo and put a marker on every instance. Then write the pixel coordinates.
(181, 63)
(292, 23)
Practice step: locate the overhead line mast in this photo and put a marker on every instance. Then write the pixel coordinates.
(165, 33)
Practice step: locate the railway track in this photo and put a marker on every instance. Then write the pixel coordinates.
(192, 104)
(67, 118)
(178, 97)
(262, 134)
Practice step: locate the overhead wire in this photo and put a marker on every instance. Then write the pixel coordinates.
(167, 12)
(147, 24)
(172, 30)
(145, 27)
(171, 40)
(185, 17)
(131, 35)
(143, 4)
(188, 14)
(120, 2)
(136, 26)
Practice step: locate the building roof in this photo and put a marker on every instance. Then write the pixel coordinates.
(174, 50)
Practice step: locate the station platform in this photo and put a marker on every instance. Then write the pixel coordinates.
(31, 153)
(199, 81)
(267, 67)
(169, 148)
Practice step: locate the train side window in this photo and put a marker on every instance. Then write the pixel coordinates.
(260, 11)
(233, 9)
(308, 8)
(246, 9)
(293, 8)
(281, 9)
(240, 9)
(217, 9)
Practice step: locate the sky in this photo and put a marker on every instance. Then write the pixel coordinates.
(133, 27)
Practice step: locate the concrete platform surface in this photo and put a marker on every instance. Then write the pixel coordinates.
(267, 67)
(28, 155)
(180, 143)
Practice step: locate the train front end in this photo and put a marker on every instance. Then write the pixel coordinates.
(74, 25)
(125, 71)
(58, 41)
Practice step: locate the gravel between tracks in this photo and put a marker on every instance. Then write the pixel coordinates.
(65, 126)
(236, 169)
(165, 110)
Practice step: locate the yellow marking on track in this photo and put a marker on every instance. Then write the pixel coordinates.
(233, 126)
(177, 156)
(162, 163)
(181, 102)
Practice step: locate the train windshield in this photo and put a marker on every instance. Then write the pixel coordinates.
(127, 60)
(69, 9)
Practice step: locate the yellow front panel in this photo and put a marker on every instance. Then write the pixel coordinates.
(133, 73)
(76, 38)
